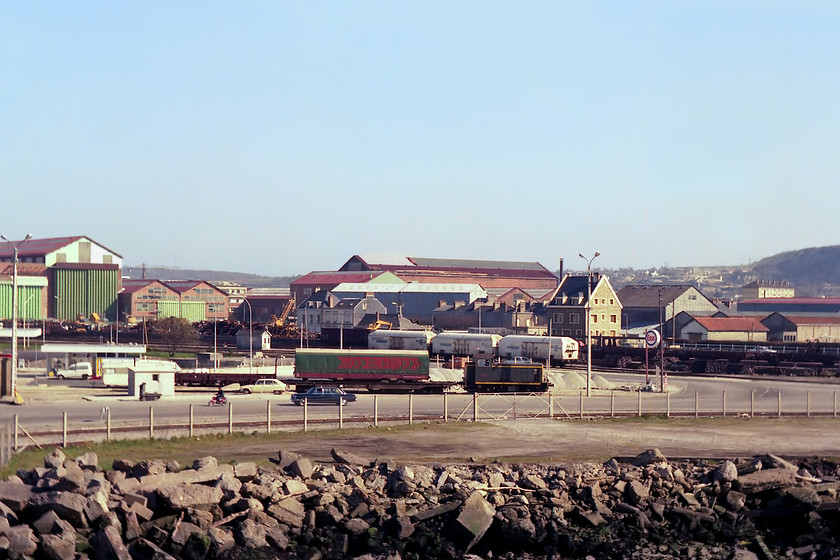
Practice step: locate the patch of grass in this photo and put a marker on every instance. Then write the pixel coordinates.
(227, 448)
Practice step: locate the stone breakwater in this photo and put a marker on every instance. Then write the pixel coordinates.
(353, 507)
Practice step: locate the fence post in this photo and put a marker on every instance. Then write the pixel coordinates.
(64, 430)
(376, 410)
(723, 404)
(151, 422)
(514, 406)
(808, 407)
(192, 425)
(108, 424)
(612, 404)
(411, 408)
(445, 408)
(305, 414)
(340, 416)
(475, 407)
(16, 422)
(580, 404)
(752, 403)
(696, 404)
(667, 405)
(835, 412)
(267, 416)
(230, 417)
(640, 404)
(779, 414)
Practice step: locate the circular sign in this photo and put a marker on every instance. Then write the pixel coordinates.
(652, 339)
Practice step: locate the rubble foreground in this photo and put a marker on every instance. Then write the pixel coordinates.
(644, 507)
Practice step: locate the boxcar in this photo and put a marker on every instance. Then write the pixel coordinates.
(464, 344)
(563, 348)
(399, 340)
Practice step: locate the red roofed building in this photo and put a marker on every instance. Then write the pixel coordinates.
(803, 328)
(140, 298)
(735, 329)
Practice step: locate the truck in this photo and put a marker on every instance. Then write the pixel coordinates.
(393, 371)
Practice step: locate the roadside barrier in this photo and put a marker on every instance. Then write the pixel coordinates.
(449, 407)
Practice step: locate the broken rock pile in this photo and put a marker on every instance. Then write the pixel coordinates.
(644, 507)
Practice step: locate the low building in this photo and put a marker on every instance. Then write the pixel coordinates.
(803, 328)
(415, 300)
(729, 329)
(140, 299)
(767, 289)
(197, 301)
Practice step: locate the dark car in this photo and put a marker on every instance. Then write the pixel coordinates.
(323, 395)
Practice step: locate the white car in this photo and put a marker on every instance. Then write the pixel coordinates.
(264, 386)
(79, 370)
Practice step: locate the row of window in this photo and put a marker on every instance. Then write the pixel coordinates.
(574, 318)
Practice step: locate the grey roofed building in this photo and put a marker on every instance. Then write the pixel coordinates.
(648, 304)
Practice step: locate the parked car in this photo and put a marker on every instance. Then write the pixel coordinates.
(79, 370)
(264, 386)
(323, 395)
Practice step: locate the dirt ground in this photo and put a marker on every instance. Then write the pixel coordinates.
(547, 441)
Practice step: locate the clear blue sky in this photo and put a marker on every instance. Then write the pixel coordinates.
(282, 137)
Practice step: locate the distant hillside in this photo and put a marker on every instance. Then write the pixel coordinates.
(813, 272)
(249, 280)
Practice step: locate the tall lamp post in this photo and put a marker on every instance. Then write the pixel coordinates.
(250, 335)
(588, 321)
(15, 247)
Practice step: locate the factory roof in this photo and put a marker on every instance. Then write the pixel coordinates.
(42, 247)
(731, 324)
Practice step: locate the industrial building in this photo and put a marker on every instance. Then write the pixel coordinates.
(82, 278)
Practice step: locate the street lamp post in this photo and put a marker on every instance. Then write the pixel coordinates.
(250, 335)
(588, 321)
(15, 247)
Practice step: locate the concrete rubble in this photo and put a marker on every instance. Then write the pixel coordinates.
(643, 507)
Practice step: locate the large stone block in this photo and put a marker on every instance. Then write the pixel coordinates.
(472, 522)
(184, 496)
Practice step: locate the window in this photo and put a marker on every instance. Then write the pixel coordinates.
(577, 332)
(595, 301)
(566, 332)
(558, 318)
(574, 318)
(692, 298)
(612, 301)
(595, 318)
(613, 318)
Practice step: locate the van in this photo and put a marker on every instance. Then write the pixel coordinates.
(79, 370)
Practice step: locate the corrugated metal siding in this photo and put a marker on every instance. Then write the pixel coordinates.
(82, 292)
(192, 311)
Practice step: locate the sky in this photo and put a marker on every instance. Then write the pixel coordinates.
(280, 137)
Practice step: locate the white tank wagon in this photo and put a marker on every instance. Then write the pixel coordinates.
(399, 340)
(563, 348)
(464, 344)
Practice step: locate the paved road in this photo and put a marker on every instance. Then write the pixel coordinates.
(85, 406)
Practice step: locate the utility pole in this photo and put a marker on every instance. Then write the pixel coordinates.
(15, 248)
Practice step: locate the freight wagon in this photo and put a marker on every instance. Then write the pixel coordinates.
(400, 340)
(563, 348)
(464, 344)
(374, 370)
